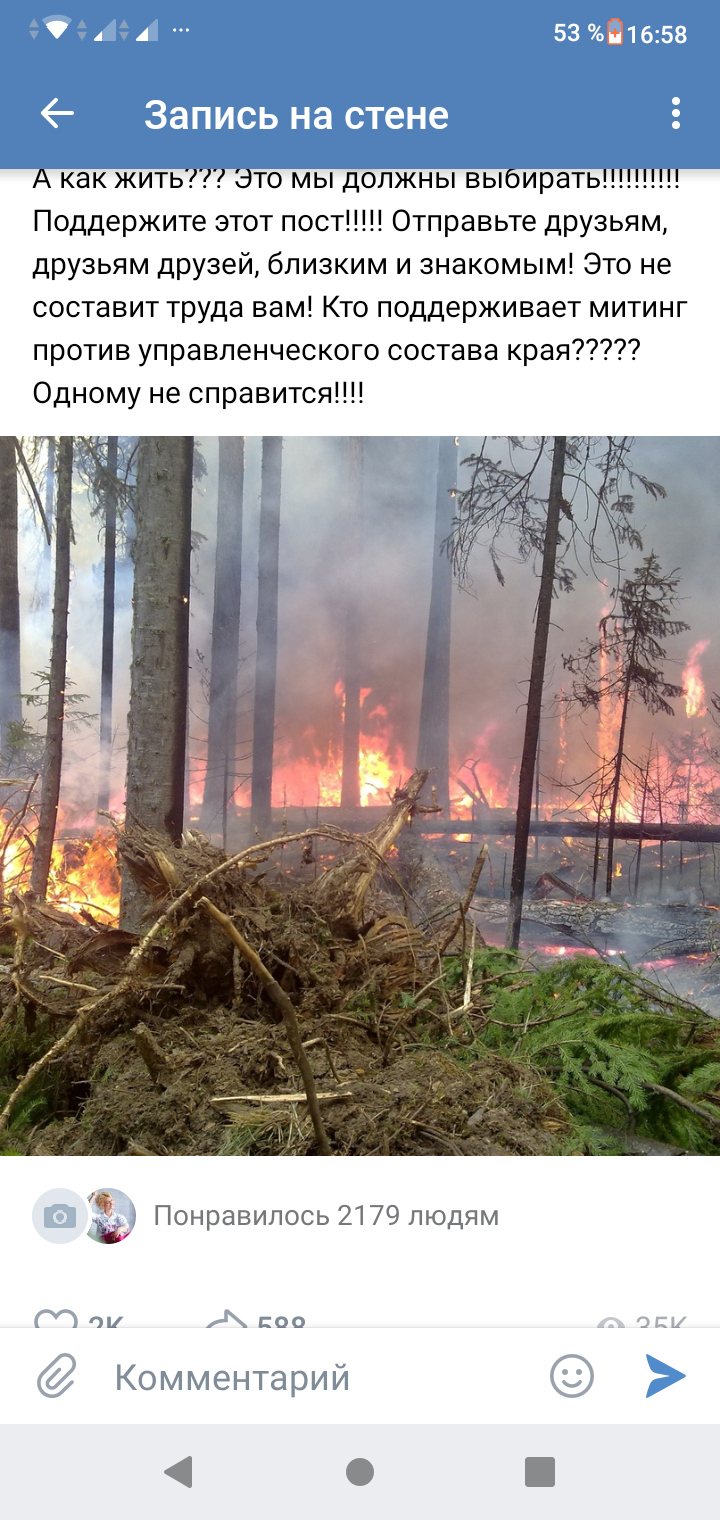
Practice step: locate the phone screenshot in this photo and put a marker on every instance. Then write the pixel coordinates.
(360, 739)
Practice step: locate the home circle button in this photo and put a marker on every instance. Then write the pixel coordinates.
(359, 1472)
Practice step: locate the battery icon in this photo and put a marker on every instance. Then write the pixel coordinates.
(615, 31)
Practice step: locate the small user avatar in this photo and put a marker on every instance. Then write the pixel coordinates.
(112, 1216)
(572, 1376)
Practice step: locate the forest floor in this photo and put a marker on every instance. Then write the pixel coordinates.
(269, 1007)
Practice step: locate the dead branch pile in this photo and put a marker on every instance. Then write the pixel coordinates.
(269, 1007)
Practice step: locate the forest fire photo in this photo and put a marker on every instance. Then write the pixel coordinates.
(359, 796)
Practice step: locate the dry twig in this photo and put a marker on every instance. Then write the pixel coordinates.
(465, 904)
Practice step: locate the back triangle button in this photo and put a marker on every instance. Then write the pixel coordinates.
(181, 1472)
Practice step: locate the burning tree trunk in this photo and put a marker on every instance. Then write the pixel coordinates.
(10, 704)
(535, 695)
(267, 630)
(157, 722)
(222, 715)
(52, 765)
(108, 631)
(434, 735)
(352, 677)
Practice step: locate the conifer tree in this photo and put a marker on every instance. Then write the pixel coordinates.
(52, 761)
(632, 640)
(585, 505)
(220, 779)
(10, 703)
(434, 732)
(267, 636)
(157, 722)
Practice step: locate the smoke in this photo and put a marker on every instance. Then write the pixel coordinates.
(492, 624)
(81, 758)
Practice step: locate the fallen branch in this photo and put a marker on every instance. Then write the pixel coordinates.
(33, 488)
(271, 1098)
(63, 981)
(693, 1108)
(289, 1016)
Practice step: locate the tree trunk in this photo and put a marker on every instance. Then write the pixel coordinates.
(52, 766)
(646, 785)
(535, 696)
(10, 704)
(617, 777)
(157, 722)
(108, 631)
(43, 596)
(352, 674)
(434, 736)
(596, 849)
(220, 778)
(537, 794)
(267, 633)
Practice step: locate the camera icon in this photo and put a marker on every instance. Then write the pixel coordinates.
(60, 1216)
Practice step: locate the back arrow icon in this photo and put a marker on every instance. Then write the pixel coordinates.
(48, 112)
(669, 1375)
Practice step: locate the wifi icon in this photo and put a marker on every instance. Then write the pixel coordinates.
(56, 25)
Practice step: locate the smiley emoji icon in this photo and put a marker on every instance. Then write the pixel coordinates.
(572, 1376)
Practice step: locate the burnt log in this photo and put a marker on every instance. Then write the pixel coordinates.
(580, 828)
(670, 929)
(497, 823)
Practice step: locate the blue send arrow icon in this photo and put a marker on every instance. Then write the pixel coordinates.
(669, 1375)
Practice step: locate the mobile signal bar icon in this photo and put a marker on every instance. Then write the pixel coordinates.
(150, 34)
(108, 33)
(56, 25)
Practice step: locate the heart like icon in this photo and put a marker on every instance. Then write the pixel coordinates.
(56, 1319)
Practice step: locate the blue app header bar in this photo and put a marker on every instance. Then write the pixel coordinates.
(178, 83)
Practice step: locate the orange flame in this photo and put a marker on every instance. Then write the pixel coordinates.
(562, 736)
(314, 779)
(692, 682)
(480, 769)
(609, 709)
(83, 874)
